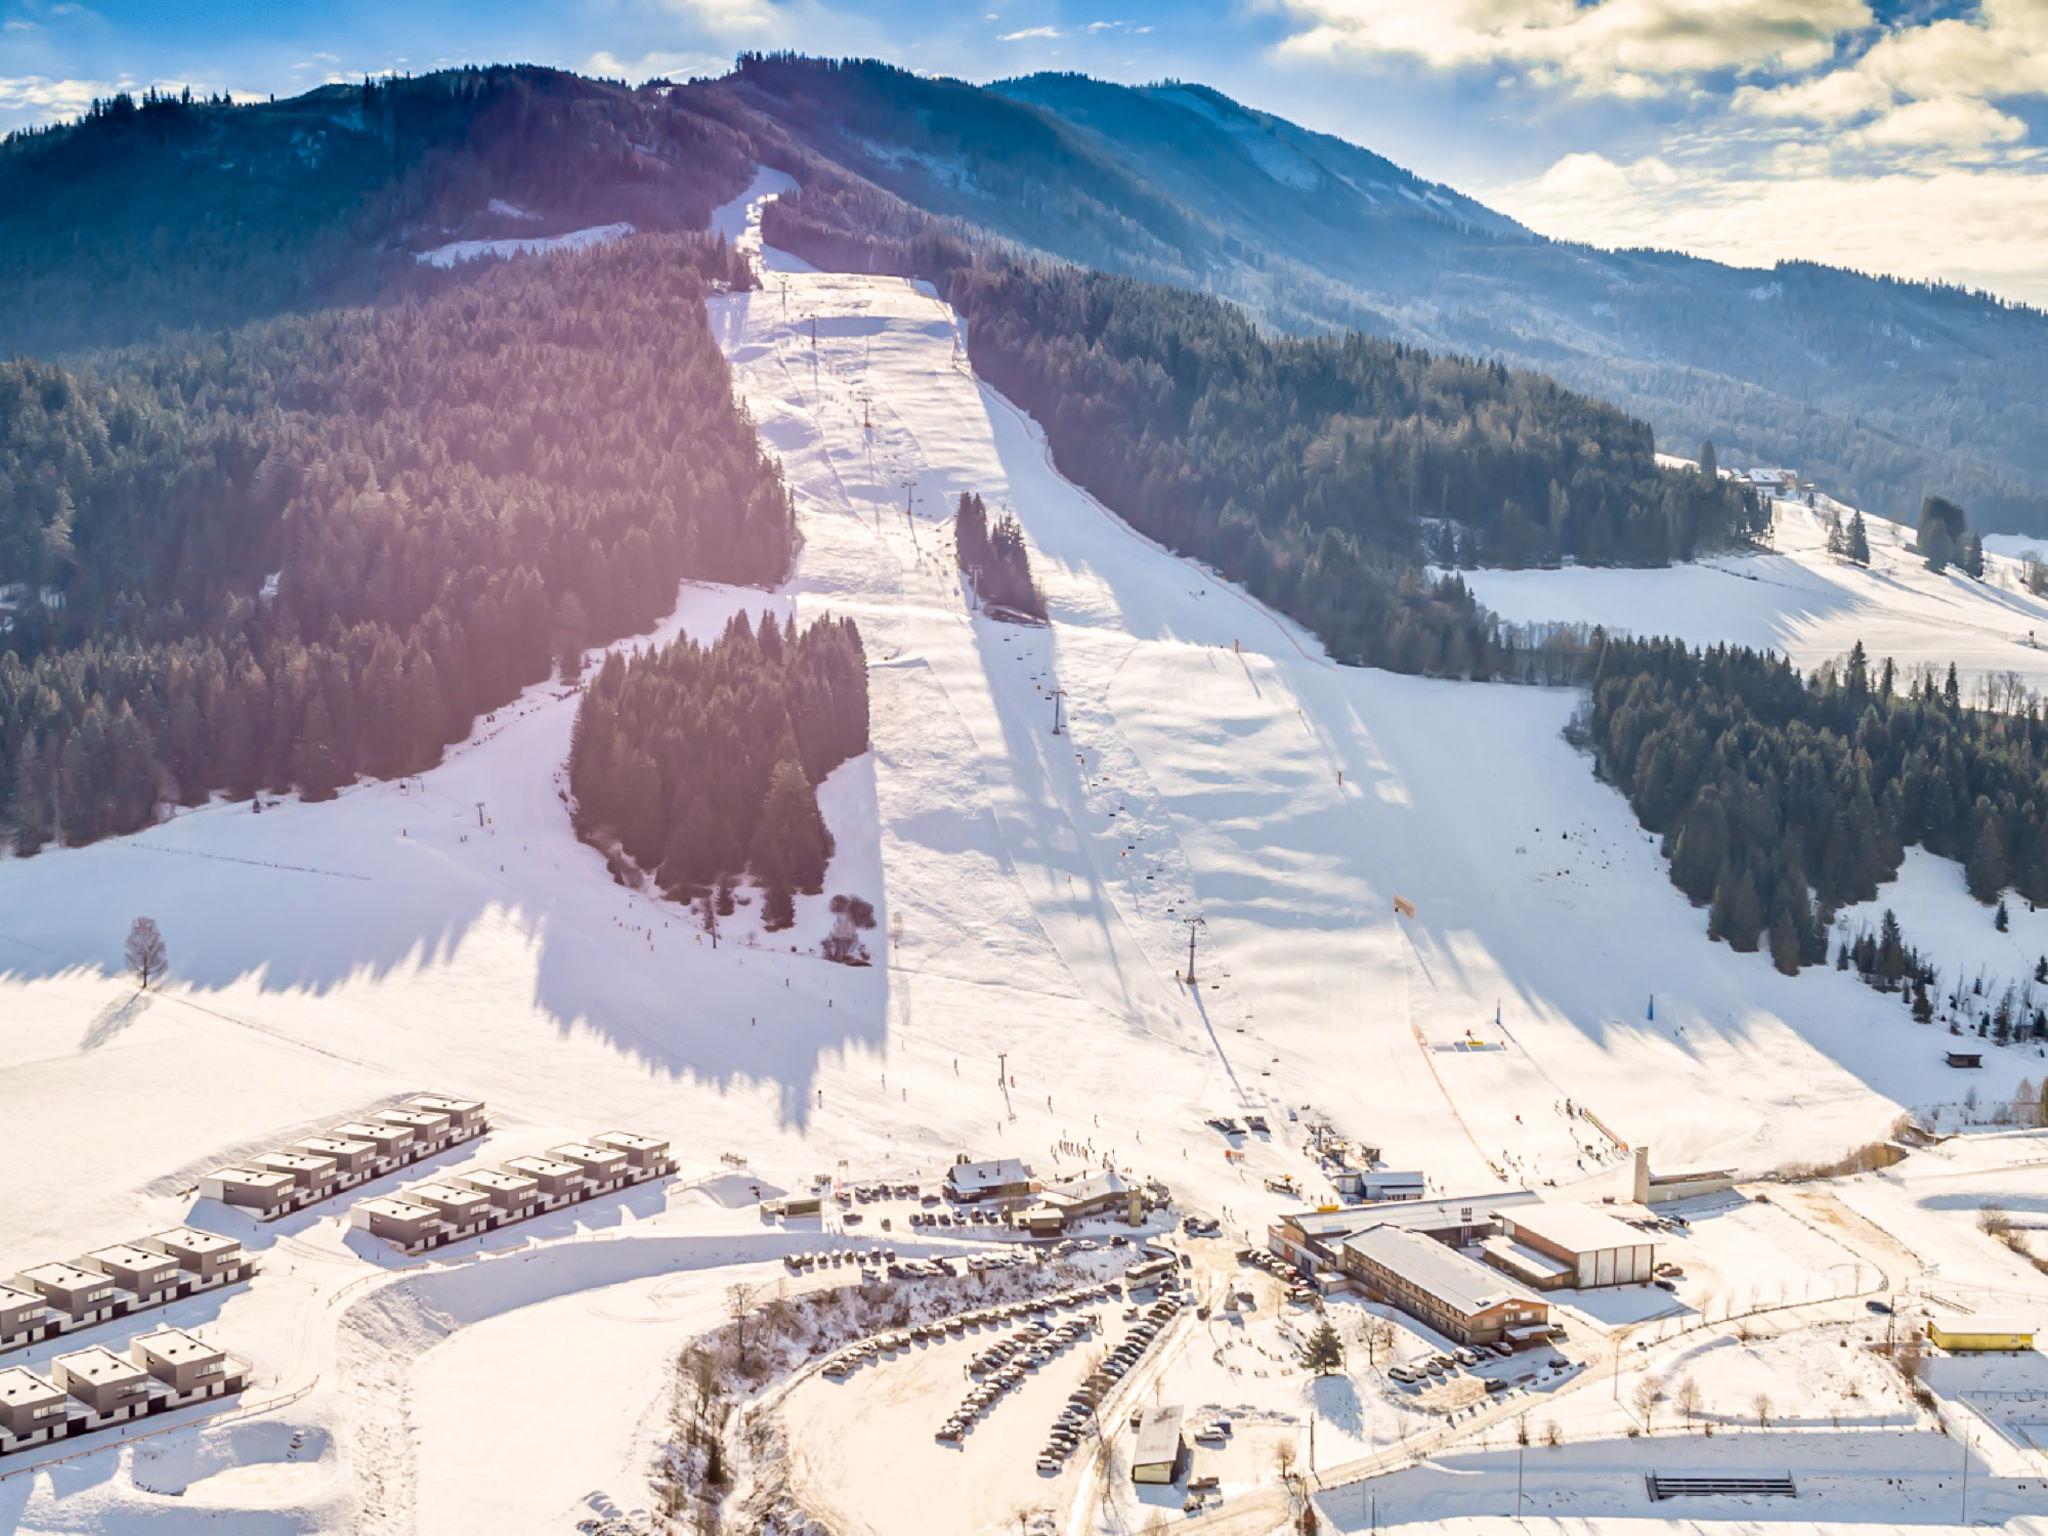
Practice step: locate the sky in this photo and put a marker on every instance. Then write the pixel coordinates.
(1902, 136)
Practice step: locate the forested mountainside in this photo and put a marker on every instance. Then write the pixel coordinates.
(167, 212)
(1321, 472)
(700, 763)
(1881, 390)
(1782, 798)
(320, 545)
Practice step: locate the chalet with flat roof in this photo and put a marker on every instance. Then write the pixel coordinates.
(647, 1155)
(207, 1257)
(430, 1128)
(394, 1143)
(78, 1296)
(353, 1160)
(559, 1182)
(604, 1168)
(464, 1212)
(33, 1411)
(111, 1388)
(188, 1369)
(512, 1195)
(25, 1317)
(150, 1277)
(465, 1116)
(404, 1223)
(266, 1192)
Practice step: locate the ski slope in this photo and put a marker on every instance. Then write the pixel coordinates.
(1034, 891)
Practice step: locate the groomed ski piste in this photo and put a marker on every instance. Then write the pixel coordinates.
(449, 933)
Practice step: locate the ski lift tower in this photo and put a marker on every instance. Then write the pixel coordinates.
(1057, 695)
(1193, 923)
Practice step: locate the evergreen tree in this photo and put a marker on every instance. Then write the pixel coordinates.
(1710, 462)
(1859, 540)
(1323, 1353)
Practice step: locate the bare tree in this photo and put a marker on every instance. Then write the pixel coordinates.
(739, 1303)
(1762, 1404)
(1646, 1396)
(1689, 1401)
(145, 951)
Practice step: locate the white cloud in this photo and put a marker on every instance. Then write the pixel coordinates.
(1612, 47)
(728, 18)
(1982, 225)
(1941, 122)
(1027, 34)
(35, 99)
(2000, 51)
(675, 64)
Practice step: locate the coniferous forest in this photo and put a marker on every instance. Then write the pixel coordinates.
(1782, 798)
(995, 559)
(320, 545)
(701, 763)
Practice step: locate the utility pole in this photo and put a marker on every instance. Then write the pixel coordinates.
(1966, 1479)
(1520, 1452)
(1057, 695)
(1193, 923)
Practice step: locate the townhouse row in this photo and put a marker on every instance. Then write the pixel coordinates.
(46, 1300)
(316, 1168)
(94, 1388)
(468, 1203)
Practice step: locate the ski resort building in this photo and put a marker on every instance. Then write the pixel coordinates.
(464, 1212)
(559, 1183)
(1980, 1335)
(393, 1143)
(353, 1160)
(1461, 1299)
(1663, 1188)
(1003, 1178)
(1549, 1246)
(1070, 1201)
(1160, 1450)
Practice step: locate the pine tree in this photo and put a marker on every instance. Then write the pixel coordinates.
(1323, 1353)
(1859, 542)
(2002, 921)
(1710, 462)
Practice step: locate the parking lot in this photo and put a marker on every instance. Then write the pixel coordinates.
(910, 1435)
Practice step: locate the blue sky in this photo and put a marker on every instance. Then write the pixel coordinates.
(1900, 137)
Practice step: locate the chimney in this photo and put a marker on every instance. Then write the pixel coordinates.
(1642, 1189)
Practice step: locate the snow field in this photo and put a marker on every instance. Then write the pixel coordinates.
(1032, 892)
